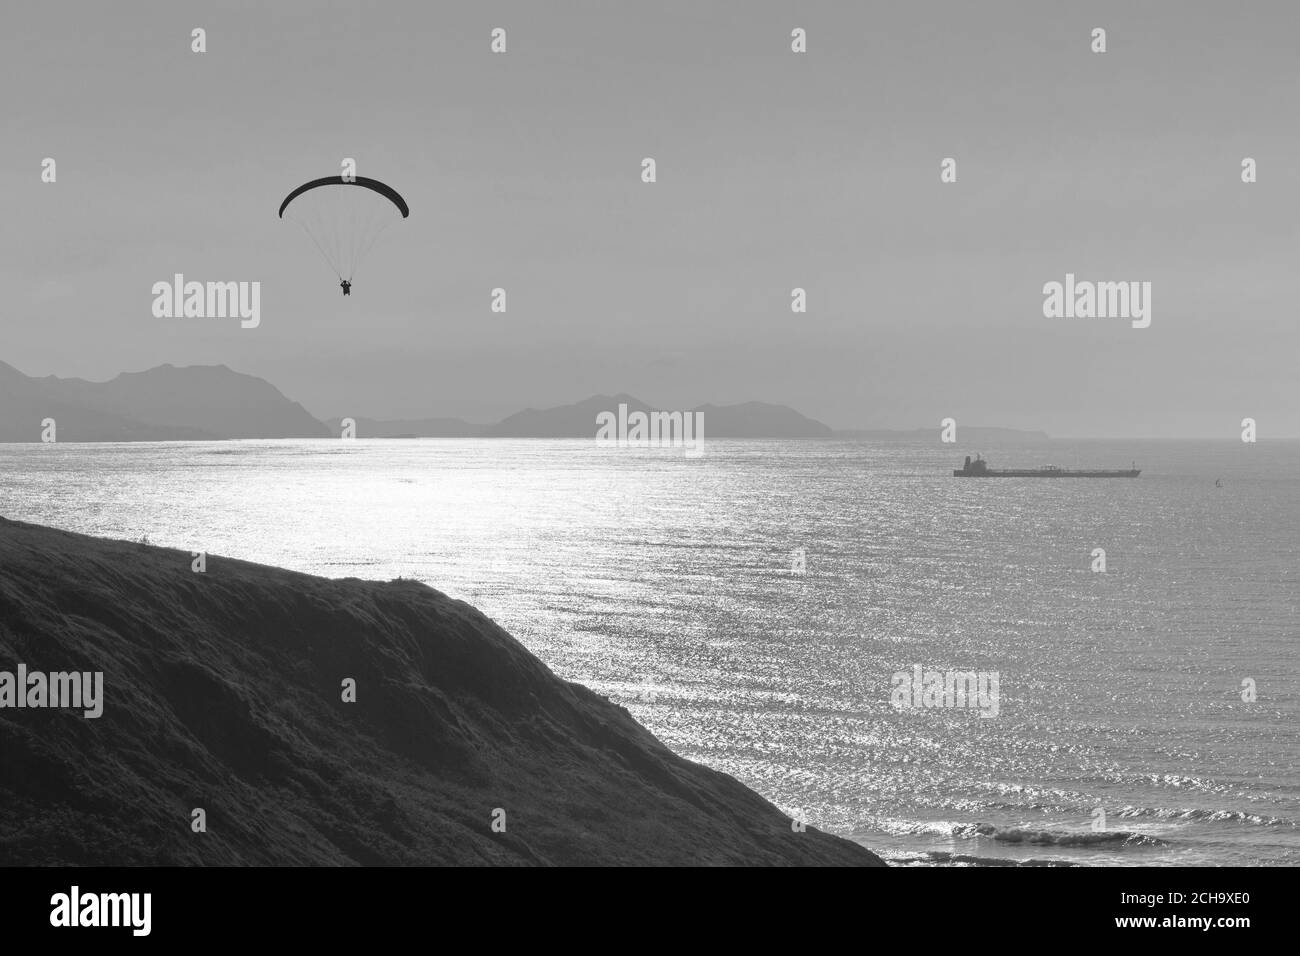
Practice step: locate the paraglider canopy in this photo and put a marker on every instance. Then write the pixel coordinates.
(344, 217)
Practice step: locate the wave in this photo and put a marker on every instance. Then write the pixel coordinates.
(1068, 809)
(1103, 839)
(1093, 838)
(936, 857)
(1203, 815)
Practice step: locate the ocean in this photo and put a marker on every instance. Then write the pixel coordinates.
(758, 607)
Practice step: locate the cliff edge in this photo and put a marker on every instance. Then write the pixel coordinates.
(223, 690)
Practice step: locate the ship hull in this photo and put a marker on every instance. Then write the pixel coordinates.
(962, 473)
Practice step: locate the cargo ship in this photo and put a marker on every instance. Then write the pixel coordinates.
(979, 468)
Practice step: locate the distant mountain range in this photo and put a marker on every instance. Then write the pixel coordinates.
(206, 402)
(967, 434)
(747, 420)
(162, 404)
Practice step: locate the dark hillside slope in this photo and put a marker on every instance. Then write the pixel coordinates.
(222, 690)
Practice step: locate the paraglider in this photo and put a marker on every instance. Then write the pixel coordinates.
(343, 217)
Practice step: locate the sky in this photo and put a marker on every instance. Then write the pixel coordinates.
(775, 170)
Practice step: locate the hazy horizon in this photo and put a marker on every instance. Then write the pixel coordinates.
(968, 426)
(775, 171)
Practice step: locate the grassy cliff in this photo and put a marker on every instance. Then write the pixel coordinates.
(223, 691)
